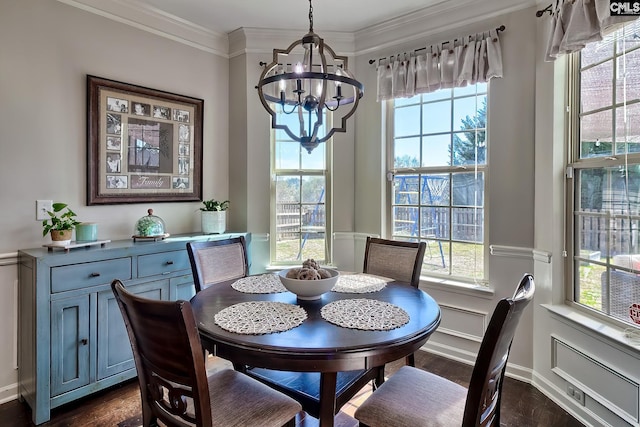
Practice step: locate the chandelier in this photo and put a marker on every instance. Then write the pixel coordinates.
(305, 80)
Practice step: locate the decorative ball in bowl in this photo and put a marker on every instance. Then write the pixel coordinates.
(308, 288)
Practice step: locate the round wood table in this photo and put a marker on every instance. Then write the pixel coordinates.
(317, 345)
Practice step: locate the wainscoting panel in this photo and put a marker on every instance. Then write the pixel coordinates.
(618, 393)
(462, 323)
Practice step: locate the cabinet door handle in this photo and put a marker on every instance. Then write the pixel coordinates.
(169, 263)
(83, 341)
(94, 275)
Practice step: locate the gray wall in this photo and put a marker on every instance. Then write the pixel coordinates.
(47, 48)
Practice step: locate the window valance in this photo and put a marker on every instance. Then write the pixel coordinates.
(455, 63)
(574, 23)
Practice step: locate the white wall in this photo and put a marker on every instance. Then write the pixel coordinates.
(46, 50)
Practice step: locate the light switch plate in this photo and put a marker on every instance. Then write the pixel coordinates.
(42, 206)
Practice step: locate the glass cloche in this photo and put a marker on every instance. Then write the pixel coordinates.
(149, 226)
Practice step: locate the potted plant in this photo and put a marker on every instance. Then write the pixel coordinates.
(214, 216)
(60, 224)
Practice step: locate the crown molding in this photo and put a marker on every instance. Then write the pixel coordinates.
(263, 40)
(436, 19)
(156, 21)
(417, 26)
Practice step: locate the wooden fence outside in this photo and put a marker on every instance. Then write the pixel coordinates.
(608, 235)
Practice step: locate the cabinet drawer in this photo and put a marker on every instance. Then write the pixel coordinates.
(79, 276)
(163, 263)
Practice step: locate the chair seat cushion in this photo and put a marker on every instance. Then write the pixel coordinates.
(253, 403)
(413, 397)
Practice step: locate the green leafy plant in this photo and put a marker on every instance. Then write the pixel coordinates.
(59, 220)
(215, 205)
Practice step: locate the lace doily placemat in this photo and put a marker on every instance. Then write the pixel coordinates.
(260, 317)
(261, 284)
(360, 283)
(365, 314)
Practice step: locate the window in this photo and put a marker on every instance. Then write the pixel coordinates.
(438, 162)
(300, 199)
(604, 194)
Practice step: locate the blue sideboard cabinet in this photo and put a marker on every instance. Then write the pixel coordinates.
(72, 339)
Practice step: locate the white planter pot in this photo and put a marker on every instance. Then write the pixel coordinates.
(214, 222)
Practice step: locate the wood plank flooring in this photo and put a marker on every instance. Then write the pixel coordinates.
(522, 404)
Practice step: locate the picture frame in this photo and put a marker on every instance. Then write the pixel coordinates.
(143, 145)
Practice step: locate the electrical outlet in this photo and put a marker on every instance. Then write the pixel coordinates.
(42, 206)
(576, 393)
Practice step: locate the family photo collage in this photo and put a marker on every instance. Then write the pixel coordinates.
(148, 145)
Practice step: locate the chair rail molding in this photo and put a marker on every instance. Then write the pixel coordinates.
(512, 251)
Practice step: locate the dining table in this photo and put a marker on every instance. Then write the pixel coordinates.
(308, 342)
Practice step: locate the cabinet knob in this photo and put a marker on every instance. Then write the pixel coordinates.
(83, 341)
(94, 275)
(169, 263)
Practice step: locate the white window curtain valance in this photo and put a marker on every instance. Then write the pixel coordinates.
(574, 23)
(456, 63)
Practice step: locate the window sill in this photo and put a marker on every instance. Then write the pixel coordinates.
(604, 331)
(457, 287)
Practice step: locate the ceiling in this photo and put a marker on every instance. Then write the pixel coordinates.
(225, 16)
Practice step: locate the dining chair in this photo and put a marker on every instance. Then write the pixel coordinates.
(413, 397)
(395, 259)
(398, 260)
(216, 261)
(174, 385)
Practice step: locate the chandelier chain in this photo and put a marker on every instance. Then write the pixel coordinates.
(310, 17)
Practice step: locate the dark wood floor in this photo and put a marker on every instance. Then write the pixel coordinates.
(522, 404)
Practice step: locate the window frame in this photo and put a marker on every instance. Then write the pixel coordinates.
(574, 165)
(327, 172)
(388, 113)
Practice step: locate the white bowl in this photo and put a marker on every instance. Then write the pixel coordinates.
(309, 289)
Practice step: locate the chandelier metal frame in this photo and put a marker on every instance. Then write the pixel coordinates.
(303, 88)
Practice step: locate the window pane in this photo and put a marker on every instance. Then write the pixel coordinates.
(628, 127)
(467, 260)
(467, 224)
(467, 115)
(595, 135)
(406, 153)
(628, 80)
(436, 257)
(596, 87)
(287, 155)
(405, 221)
(434, 222)
(313, 189)
(469, 147)
(468, 189)
(596, 52)
(406, 189)
(436, 150)
(627, 38)
(437, 117)
(407, 121)
(316, 159)
(435, 190)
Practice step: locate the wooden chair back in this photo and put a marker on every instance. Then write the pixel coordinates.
(482, 407)
(168, 357)
(394, 259)
(217, 260)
